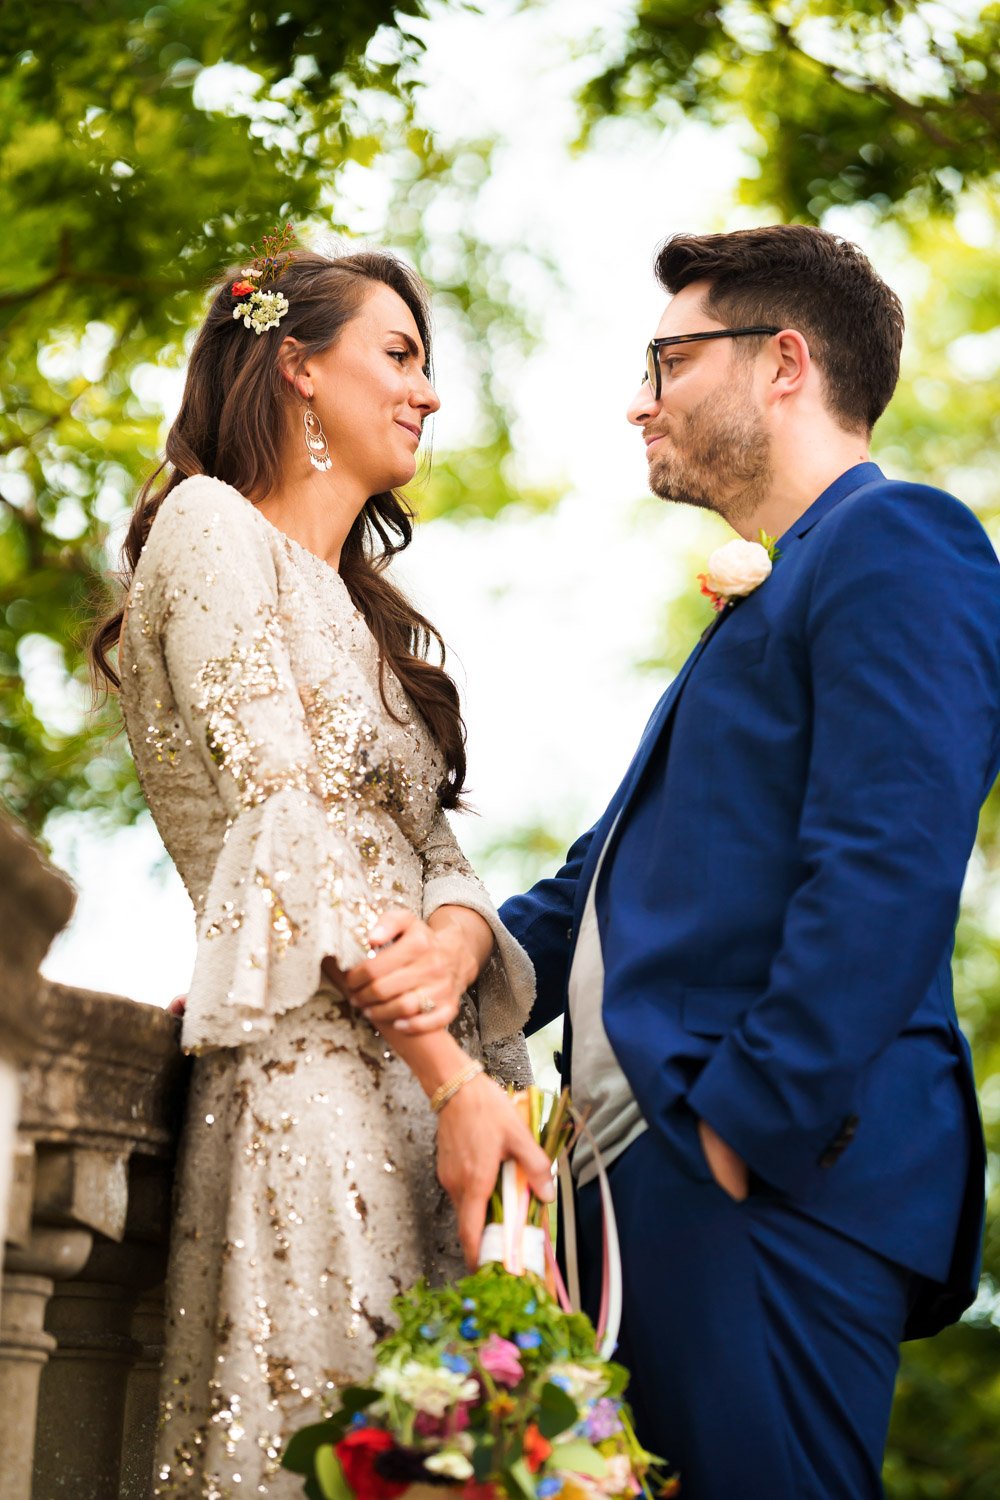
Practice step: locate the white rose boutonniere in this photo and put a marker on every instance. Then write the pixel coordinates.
(736, 569)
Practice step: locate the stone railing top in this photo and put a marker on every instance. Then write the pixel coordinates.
(104, 1071)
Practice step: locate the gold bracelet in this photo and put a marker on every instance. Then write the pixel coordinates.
(448, 1090)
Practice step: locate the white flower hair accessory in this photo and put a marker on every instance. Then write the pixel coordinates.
(260, 309)
(736, 569)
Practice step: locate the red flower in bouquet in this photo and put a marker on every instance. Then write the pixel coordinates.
(536, 1448)
(473, 1491)
(357, 1452)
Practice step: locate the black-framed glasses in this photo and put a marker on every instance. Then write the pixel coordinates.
(654, 373)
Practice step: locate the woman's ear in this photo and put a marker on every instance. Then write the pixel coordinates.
(289, 358)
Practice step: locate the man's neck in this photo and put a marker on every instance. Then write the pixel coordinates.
(799, 477)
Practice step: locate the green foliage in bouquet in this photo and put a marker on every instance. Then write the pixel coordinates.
(487, 1386)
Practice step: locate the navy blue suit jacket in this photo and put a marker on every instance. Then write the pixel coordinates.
(778, 902)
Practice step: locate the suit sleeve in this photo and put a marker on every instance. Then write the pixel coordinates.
(542, 922)
(902, 637)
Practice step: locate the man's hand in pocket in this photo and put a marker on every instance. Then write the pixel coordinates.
(728, 1169)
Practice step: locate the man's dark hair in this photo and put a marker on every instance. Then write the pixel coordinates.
(797, 276)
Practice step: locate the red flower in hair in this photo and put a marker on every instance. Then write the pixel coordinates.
(357, 1451)
(243, 288)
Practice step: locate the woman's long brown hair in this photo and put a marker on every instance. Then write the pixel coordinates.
(230, 426)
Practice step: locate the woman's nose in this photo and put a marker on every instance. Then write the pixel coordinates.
(426, 398)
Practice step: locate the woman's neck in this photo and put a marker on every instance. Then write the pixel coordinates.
(316, 510)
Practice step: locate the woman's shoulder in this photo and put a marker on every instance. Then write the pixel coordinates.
(198, 505)
(204, 532)
(200, 516)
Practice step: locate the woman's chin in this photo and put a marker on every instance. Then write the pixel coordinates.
(397, 477)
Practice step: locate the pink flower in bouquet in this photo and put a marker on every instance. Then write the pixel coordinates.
(427, 1426)
(502, 1360)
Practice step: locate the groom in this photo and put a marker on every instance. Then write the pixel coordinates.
(752, 945)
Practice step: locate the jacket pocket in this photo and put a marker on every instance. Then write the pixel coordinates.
(714, 1012)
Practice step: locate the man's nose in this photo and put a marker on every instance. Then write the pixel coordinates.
(643, 407)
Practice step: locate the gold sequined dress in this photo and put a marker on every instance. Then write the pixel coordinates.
(296, 809)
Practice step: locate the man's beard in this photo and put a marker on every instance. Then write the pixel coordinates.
(720, 459)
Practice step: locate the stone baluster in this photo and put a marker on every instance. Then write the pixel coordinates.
(36, 902)
(85, 1193)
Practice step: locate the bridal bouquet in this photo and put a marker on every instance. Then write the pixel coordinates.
(489, 1388)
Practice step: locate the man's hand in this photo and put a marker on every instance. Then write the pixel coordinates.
(477, 1130)
(728, 1169)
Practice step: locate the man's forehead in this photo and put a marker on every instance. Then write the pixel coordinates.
(685, 312)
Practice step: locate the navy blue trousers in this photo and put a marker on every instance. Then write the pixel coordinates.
(763, 1347)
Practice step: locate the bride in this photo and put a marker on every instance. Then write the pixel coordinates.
(298, 749)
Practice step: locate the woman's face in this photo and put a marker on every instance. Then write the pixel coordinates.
(370, 392)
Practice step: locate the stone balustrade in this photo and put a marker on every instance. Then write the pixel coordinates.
(90, 1095)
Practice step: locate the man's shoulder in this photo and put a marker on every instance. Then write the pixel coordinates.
(907, 515)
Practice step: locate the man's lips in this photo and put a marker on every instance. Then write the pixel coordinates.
(410, 427)
(652, 437)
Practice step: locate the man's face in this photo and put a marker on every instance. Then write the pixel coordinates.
(706, 441)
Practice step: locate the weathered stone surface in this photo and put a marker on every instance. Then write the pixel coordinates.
(105, 1073)
(94, 1086)
(36, 902)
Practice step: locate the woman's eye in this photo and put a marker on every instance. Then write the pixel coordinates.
(401, 354)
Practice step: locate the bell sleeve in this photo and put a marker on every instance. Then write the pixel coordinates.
(288, 887)
(505, 990)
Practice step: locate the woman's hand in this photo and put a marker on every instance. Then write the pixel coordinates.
(417, 979)
(478, 1129)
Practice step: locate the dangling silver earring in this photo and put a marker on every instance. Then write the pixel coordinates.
(316, 444)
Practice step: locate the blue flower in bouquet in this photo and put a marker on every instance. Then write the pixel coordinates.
(546, 1488)
(603, 1420)
(456, 1364)
(468, 1304)
(469, 1328)
(529, 1339)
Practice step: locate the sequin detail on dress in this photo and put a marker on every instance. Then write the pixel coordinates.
(296, 809)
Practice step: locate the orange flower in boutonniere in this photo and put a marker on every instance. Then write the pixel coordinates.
(736, 569)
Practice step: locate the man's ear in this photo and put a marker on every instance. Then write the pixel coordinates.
(289, 366)
(791, 361)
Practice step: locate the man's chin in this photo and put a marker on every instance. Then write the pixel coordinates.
(671, 487)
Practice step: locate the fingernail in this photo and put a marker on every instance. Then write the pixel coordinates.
(402, 1025)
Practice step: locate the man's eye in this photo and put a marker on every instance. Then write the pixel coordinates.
(670, 363)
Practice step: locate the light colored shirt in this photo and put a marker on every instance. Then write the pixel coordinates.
(600, 1089)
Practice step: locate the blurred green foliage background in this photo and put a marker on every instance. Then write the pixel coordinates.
(142, 147)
